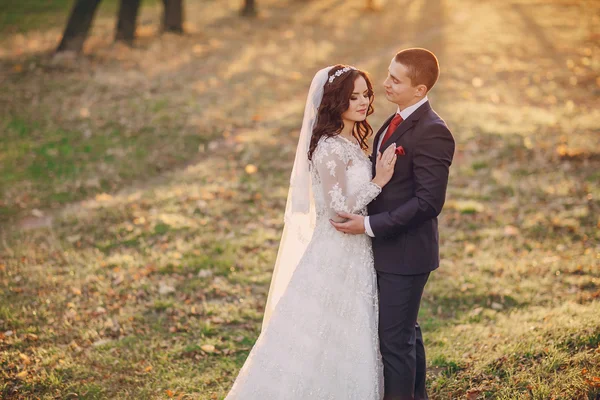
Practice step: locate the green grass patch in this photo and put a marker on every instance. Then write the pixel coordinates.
(27, 15)
(46, 166)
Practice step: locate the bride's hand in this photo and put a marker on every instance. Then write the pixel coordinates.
(384, 167)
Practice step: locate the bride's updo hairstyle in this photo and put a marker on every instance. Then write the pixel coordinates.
(336, 100)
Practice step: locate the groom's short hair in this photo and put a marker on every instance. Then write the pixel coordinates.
(422, 65)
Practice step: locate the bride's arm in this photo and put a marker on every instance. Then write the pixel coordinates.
(331, 160)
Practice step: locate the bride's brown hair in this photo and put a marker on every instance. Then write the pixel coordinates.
(336, 100)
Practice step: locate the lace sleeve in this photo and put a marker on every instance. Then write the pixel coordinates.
(331, 161)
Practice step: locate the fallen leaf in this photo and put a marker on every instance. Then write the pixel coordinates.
(118, 280)
(25, 358)
(32, 336)
(73, 238)
(163, 288)
(470, 248)
(75, 347)
(476, 311)
(208, 348)
(21, 375)
(473, 394)
(251, 169)
(103, 197)
(101, 342)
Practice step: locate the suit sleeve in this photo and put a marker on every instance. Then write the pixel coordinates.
(431, 166)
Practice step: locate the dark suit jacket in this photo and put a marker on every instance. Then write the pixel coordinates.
(404, 215)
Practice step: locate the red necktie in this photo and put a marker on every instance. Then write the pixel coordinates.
(392, 127)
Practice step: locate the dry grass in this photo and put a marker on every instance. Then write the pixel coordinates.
(137, 247)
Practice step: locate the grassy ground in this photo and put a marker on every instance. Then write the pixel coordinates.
(31, 15)
(143, 192)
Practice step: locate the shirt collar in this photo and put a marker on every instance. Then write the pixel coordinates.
(409, 110)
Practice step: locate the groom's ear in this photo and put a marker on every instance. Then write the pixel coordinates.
(421, 90)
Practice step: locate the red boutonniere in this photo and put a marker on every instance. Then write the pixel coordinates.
(400, 151)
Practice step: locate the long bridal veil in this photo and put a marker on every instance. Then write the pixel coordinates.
(299, 221)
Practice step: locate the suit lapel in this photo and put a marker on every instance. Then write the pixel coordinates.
(400, 130)
(376, 140)
(406, 125)
(379, 133)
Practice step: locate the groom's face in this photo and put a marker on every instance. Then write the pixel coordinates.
(398, 86)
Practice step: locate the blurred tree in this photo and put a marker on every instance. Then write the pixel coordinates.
(371, 5)
(173, 16)
(78, 25)
(126, 21)
(82, 15)
(249, 9)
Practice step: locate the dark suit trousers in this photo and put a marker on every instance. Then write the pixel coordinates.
(400, 337)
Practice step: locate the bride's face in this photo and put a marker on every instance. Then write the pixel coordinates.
(359, 102)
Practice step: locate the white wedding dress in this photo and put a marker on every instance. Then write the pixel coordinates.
(321, 341)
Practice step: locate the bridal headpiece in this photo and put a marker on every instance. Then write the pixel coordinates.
(340, 72)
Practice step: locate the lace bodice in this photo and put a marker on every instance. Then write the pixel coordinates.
(341, 178)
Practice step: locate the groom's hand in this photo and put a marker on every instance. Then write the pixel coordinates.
(355, 224)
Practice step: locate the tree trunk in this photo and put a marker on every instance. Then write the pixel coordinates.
(126, 22)
(249, 9)
(78, 25)
(173, 16)
(371, 5)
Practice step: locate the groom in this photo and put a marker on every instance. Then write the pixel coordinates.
(403, 219)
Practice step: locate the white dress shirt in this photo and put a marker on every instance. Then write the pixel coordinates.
(404, 114)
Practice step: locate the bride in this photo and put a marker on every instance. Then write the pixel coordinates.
(319, 337)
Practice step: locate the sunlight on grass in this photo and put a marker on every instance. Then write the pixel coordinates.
(161, 173)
